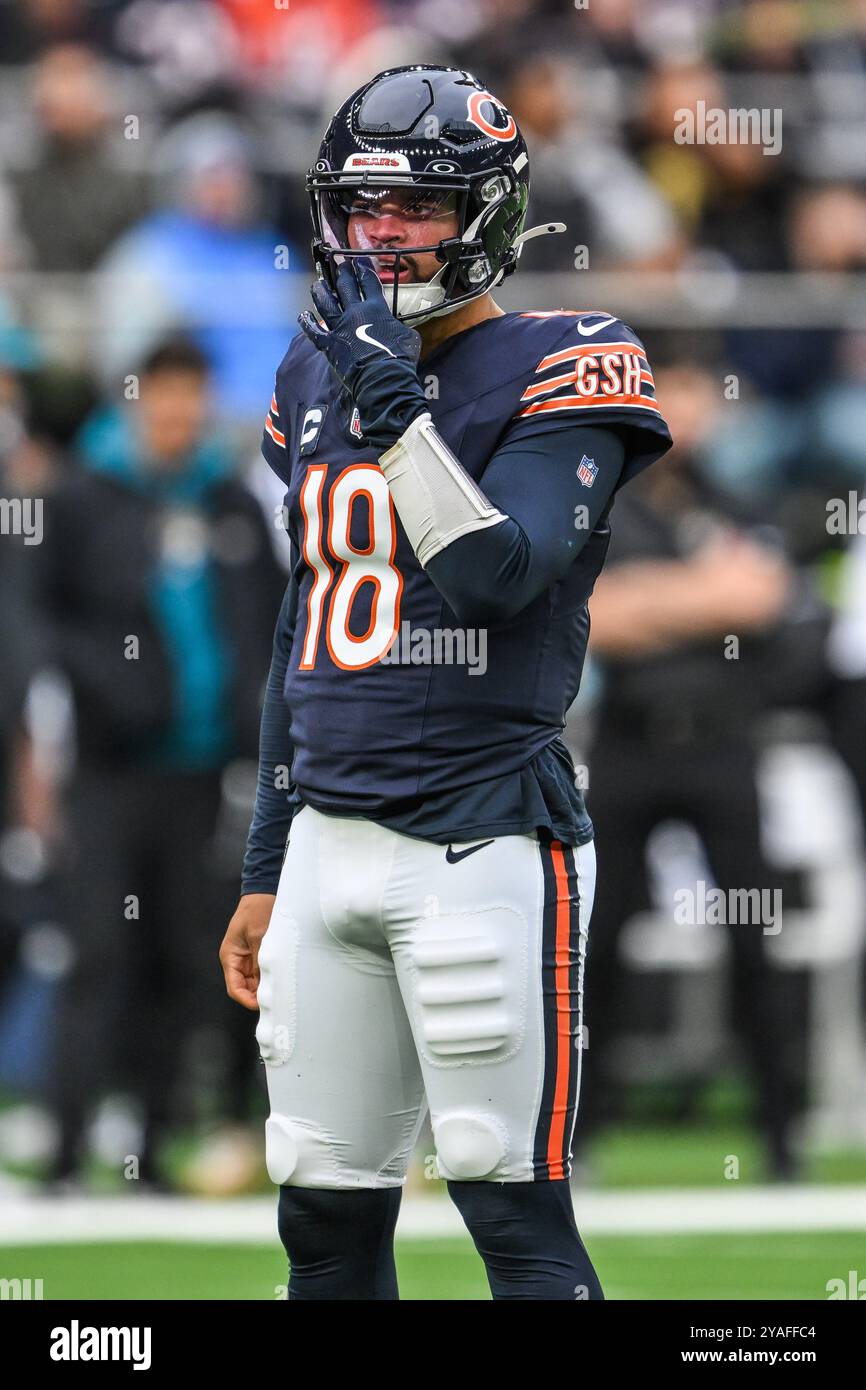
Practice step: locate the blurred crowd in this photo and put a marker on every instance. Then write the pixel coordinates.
(153, 238)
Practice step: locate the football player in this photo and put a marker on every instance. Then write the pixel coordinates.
(420, 867)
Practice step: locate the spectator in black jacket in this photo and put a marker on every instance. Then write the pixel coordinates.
(160, 592)
(76, 197)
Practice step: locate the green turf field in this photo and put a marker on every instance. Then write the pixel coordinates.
(667, 1136)
(785, 1265)
(656, 1147)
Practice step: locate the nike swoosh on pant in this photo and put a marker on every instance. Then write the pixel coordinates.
(452, 857)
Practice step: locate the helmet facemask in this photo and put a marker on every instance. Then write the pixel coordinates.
(465, 272)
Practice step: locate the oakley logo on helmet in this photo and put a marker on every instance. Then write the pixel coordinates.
(474, 104)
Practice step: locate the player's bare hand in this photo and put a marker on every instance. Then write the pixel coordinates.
(239, 952)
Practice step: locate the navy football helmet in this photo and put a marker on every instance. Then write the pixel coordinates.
(440, 140)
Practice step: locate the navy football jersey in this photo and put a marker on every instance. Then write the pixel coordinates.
(435, 748)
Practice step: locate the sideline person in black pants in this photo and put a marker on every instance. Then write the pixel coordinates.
(675, 740)
(159, 591)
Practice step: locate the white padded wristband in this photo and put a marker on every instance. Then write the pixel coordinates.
(435, 497)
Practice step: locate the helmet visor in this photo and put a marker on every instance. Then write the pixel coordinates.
(413, 202)
(367, 205)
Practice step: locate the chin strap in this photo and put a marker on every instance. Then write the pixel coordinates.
(411, 294)
(545, 229)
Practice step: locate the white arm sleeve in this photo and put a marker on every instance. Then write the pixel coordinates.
(435, 497)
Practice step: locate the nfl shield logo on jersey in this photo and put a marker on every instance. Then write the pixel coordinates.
(355, 425)
(586, 471)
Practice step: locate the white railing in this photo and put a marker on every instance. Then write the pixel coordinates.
(67, 311)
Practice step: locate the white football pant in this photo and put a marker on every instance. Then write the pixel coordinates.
(397, 974)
